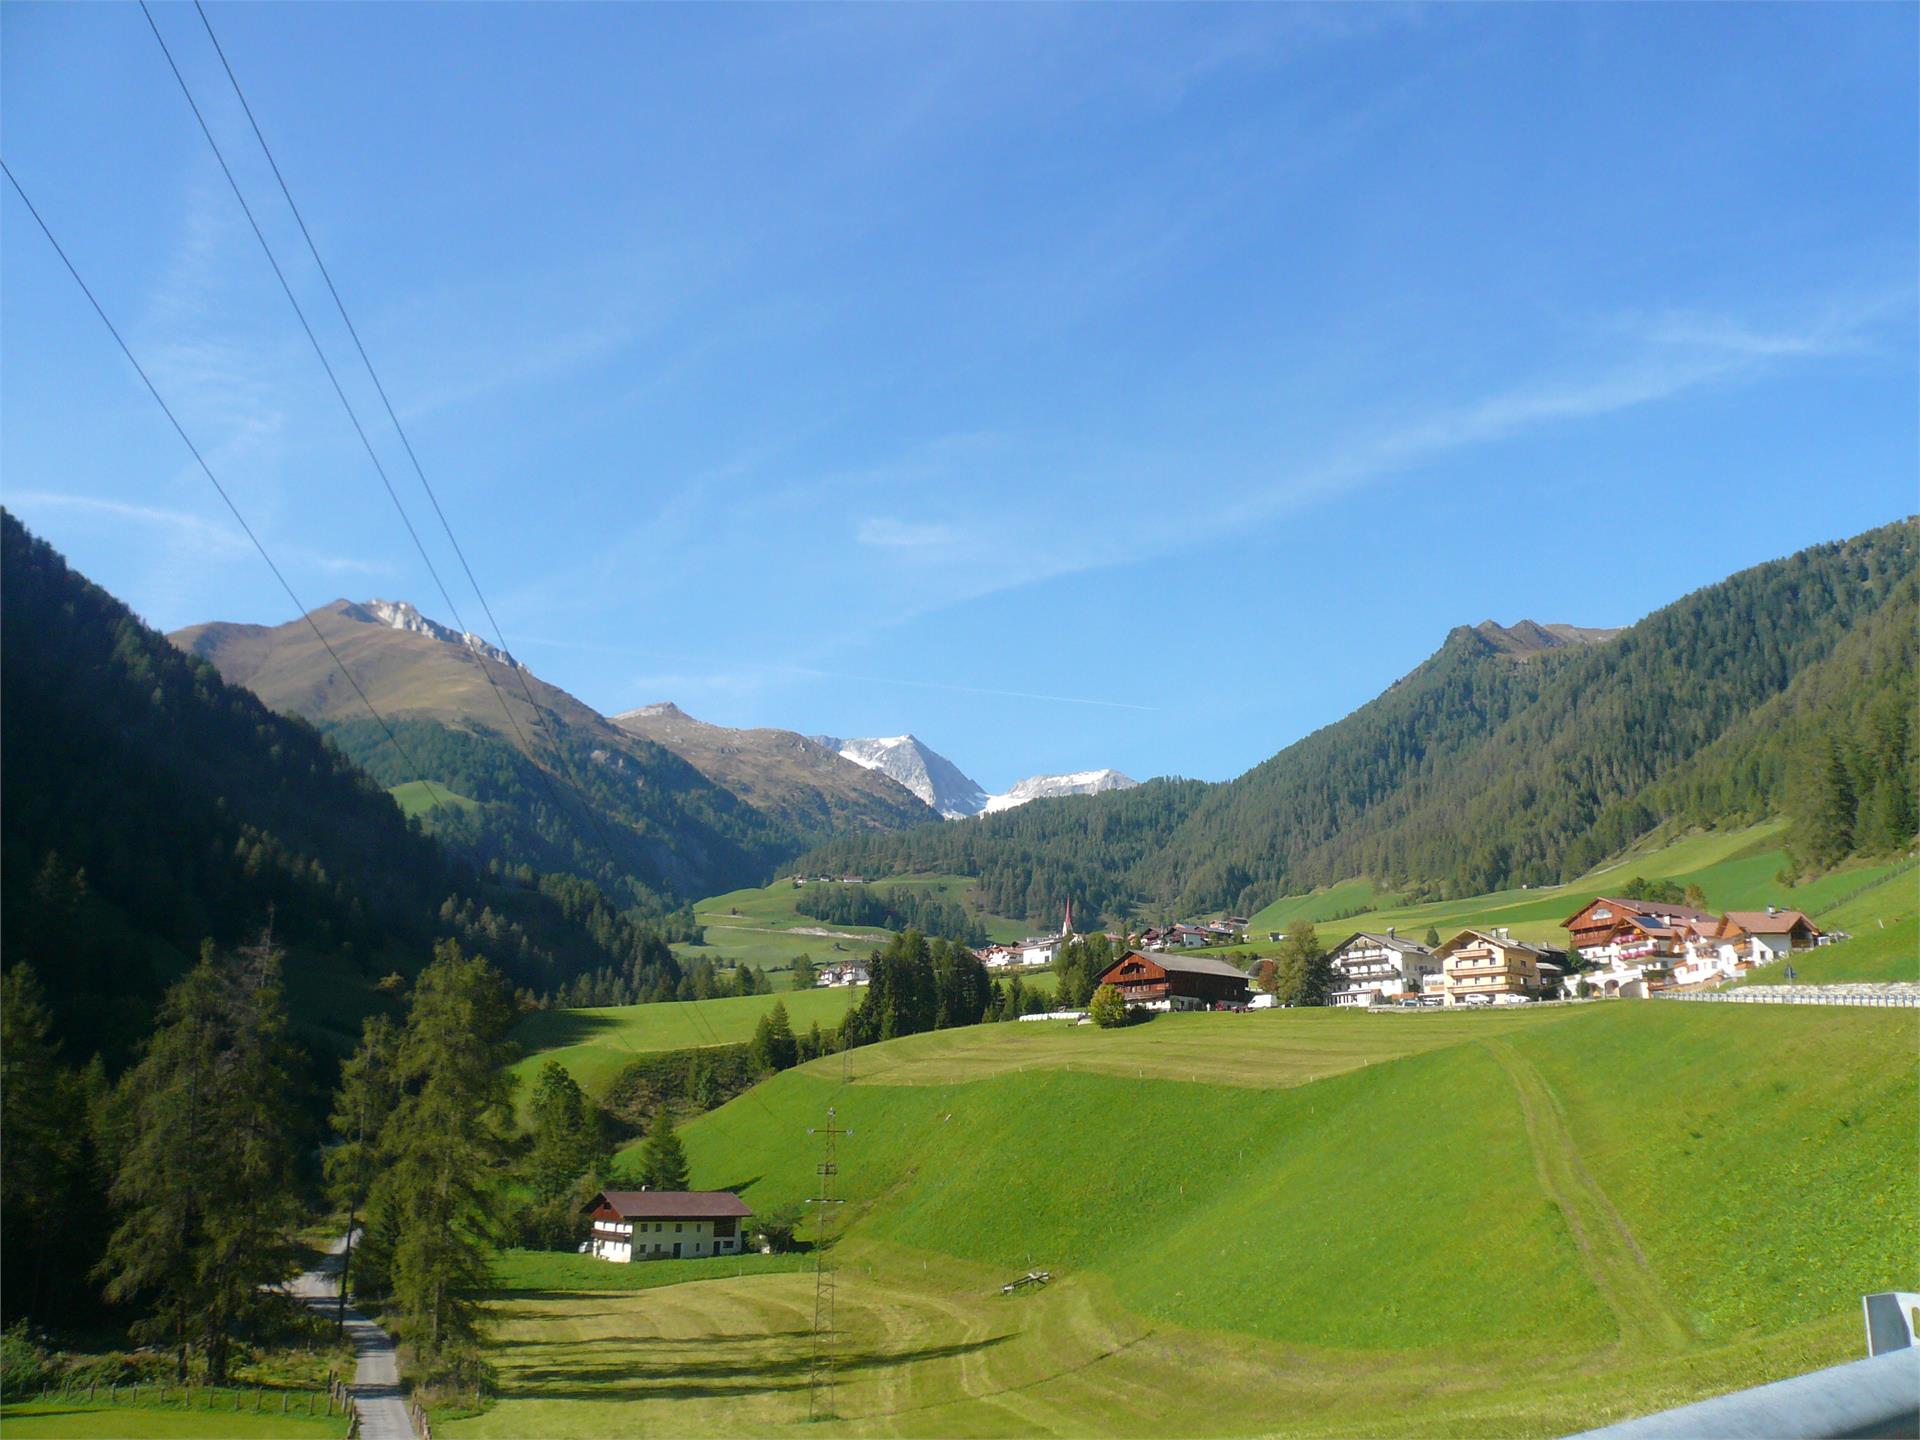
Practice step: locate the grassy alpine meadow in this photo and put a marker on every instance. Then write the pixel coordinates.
(523, 1272)
(1261, 1048)
(1736, 869)
(55, 1418)
(420, 797)
(1521, 1223)
(774, 907)
(595, 1044)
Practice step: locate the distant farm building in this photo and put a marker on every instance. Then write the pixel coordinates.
(666, 1224)
(1159, 981)
(1039, 950)
(851, 973)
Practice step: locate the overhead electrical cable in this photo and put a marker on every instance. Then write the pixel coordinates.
(213, 479)
(586, 806)
(339, 391)
(553, 740)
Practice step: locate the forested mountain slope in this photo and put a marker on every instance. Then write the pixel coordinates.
(652, 826)
(1507, 758)
(800, 782)
(151, 806)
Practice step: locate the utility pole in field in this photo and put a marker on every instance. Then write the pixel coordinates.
(820, 1380)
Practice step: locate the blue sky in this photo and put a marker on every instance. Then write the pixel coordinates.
(1077, 386)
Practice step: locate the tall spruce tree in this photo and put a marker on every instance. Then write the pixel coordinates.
(444, 1149)
(568, 1139)
(47, 1242)
(206, 1186)
(663, 1159)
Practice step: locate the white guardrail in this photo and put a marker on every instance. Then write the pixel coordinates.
(1880, 997)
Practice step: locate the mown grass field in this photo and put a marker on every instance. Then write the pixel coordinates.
(1466, 1224)
(416, 798)
(58, 1419)
(528, 1272)
(1889, 953)
(596, 1044)
(1735, 868)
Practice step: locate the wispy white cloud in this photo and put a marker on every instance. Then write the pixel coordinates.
(206, 541)
(734, 673)
(891, 534)
(215, 540)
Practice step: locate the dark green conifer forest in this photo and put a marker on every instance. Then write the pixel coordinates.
(1785, 689)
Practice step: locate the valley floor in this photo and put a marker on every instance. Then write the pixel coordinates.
(928, 1347)
(1282, 1223)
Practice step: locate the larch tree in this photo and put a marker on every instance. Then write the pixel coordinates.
(444, 1153)
(206, 1192)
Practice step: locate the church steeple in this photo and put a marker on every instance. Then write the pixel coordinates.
(1066, 925)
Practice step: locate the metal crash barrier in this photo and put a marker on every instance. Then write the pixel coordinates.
(1862, 1400)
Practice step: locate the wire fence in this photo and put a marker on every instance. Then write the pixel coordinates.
(330, 1400)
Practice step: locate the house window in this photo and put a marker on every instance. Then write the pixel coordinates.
(677, 1227)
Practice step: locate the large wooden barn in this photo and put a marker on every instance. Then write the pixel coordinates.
(666, 1224)
(1154, 980)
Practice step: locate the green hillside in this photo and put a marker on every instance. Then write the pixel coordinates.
(594, 1045)
(422, 798)
(762, 926)
(1736, 868)
(1518, 1227)
(555, 786)
(1784, 690)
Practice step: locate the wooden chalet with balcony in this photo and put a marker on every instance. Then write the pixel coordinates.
(1155, 980)
(1595, 925)
(666, 1224)
(1490, 967)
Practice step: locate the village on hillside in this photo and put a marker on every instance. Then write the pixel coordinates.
(1616, 949)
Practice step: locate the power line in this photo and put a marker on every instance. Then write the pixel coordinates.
(559, 752)
(820, 1374)
(339, 391)
(339, 304)
(207, 470)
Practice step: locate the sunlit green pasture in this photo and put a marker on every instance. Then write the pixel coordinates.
(54, 1418)
(1468, 1224)
(1735, 868)
(596, 1044)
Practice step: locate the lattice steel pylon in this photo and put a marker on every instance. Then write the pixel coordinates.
(820, 1379)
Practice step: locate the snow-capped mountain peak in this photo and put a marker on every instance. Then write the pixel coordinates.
(1041, 787)
(923, 770)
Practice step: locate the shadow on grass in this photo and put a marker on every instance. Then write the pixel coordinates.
(673, 1379)
(551, 1029)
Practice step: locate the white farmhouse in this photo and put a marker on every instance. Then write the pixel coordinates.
(666, 1224)
(850, 972)
(1370, 968)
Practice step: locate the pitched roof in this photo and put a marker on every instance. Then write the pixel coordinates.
(1392, 942)
(674, 1204)
(1533, 946)
(1759, 922)
(1194, 964)
(1640, 907)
